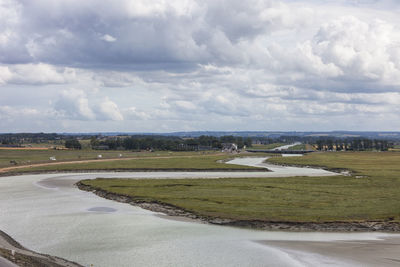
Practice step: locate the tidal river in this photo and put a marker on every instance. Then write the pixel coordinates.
(48, 214)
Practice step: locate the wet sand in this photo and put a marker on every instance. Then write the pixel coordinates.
(384, 252)
(6, 263)
(14, 254)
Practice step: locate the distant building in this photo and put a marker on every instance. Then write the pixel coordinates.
(193, 147)
(188, 147)
(229, 147)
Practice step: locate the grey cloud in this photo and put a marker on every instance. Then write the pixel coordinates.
(122, 33)
(174, 64)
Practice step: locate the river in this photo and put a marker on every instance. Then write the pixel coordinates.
(46, 213)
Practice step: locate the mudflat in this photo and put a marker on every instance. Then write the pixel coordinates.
(382, 252)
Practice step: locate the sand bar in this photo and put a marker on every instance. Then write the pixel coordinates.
(383, 252)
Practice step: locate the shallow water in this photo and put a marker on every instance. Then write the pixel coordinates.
(48, 214)
(287, 146)
(281, 171)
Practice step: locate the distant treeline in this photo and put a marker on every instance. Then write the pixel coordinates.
(167, 142)
(204, 142)
(35, 138)
(353, 144)
(20, 138)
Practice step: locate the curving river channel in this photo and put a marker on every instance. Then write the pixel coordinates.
(48, 214)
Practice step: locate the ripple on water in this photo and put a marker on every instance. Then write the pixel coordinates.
(102, 209)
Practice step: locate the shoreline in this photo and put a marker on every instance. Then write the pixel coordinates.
(341, 171)
(15, 253)
(173, 211)
(353, 252)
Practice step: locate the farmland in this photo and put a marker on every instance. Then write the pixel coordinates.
(31, 156)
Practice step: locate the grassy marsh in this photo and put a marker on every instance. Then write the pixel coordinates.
(151, 161)
(372, 193)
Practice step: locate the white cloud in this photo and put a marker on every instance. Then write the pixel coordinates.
(132, 113)
(108, 110)
(108, 38)
(74, 104)
(40, 74)
(361, 50)
(185, 105)
(7, 112)
(118, 79)
(5, 74)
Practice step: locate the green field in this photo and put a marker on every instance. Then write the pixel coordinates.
(300, 147)
(268, 146)
(174, 161)
(372, 193)
(42, 156)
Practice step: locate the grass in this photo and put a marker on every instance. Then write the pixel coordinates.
(268, 146)
(175, 161)
(42, 156)
(376, 165)
(374, 197)
(395, 148)
(301, 147)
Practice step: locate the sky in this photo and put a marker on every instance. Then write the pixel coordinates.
(188, 65)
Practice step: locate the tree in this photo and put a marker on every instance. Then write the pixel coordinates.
(330, 144)
(320, 144)
(73, 143)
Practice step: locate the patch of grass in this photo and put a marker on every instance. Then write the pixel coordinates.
(374, 197)
(301, 147)
(268, 146)
(176, 161)
(42, 156)
(378, 165)
(396, 148)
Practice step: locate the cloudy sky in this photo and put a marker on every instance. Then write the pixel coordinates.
(183, 65)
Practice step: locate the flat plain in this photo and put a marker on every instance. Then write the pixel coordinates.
(370, 191)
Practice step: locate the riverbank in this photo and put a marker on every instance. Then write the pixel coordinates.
(171, 210)
(382, 252)
(15, 253)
